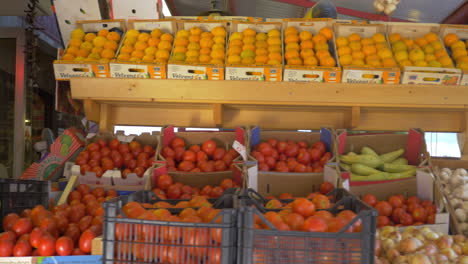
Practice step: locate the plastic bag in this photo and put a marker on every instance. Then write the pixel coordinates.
(323, 9)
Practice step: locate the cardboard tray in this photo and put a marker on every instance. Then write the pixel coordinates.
(312, 73)
(198, 71)
(352, 74)
(462, 33)
(275, 183)
(145, 70)
(423, 75)
(64, 70)
(255, 72)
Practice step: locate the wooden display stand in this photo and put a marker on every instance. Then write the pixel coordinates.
(274, 105)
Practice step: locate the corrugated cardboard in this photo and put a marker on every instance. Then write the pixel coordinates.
(297, 184)
(86, 259)
(254, 72)
(462, 33)
(135, 9)
(198, 71)
(96, 247)
(309, 73)
(423, 75)
(64, 70)
(351, 74)
(122, 69)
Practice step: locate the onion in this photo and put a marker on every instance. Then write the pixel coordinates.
(440, 258)
(459, 238)
(449, 253)
(400, 260)
(445, 242)
(433, 236)
(419, 259)
(431, 249)
(392, 254)
(463, 260)
(409, 245)
(387, 230)
(457, 249)
(388, 244)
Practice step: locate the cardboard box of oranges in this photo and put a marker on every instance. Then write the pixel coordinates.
(309, 51)
(145, 50)
(92, 46)
(421, 54)
(455, 39)
(255, 52)
(199, 50)
(365, 55)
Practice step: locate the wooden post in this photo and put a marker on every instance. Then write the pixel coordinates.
(105, 123)
(92, 110)
(355, 117)
(218, 114)
(463, 137)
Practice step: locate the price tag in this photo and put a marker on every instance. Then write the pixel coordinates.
(252, 174)
(90, 135)
(240, 149)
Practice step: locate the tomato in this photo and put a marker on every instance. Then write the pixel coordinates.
(6, 248)
(101, 142)
(219, 165)
(294, 221)
(177, 142)
(370, 199)
(384, 208)
(9, 220)
(105, 152)
(303, 207)
(209, 147)
(81, 161)
(186, 166)
(139, 171)
(349, 215)
(123, 148)
(132, 164)
(216, 192)
(85, 223)
(315, 154)
(76, 213)
(92, 147)
(301, 168)
(179, 153)
(321, 201)
(336, 224)
(94, 163)
(22, 226)
(149, 150)
(97, 229)
(24, 237)
(412, 206)
(164, 181)
(430, 219)
(8, 235)
(314, 224)
(219, 153)
(125, 172)
(320, 146)
(420, 215)
(291, 150)
(168, 152)
(114, 144)
(84, 154)
(270, 161)
(206, 166)
(326, 187)
(263, 167)
(413, 199)
(273, 142)
(98, 170)
(143, 156)
(406, 219)
(96, 155)
(201, 156)
(189, 156)
(281, 146)
(46, 246)
(84, 168)
(382, 221)
(22, 249)
(48, 225)
(226, 184)
(35, 235)
(134, 145)
(395, 201)
(325, 158)
(62, 222)
(303, 157)
(174, 192)
(281, 167)
(64, 246)
(86, 239)
(107, 164)
(77, 252)
(265, 148)
(396, 214)
(137, 151)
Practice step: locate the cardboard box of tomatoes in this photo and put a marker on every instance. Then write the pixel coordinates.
(123, 162)
(289, 161)
(91, 259)
(200, 158)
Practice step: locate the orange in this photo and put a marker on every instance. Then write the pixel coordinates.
(274, 62)
(261, 52)
(321, 46)
(305, 35)
(72, 50)
(404, 63)
(346, 59)
(236, 42)
(162, 54)
(137, 54)
(440, 53)
(191, 59)
(103, 32)
(249, 40)
(421, 42)
(420, 63)
(367, 41)
(374, 63)
(450, 38)
(275, 56)
(177, 56)
(388, 62)
(355, 45)
(82, 53)
(204, 58)
(236, 35)
(217, 54)
(458, 44)
(219, 40)
(319, 39)
(99, 41)
(206, 35)
(274, 33)
(306, 53)
(165, 45)
(167, 37)
(409, 43)
(262, 59)
(150, 51)
(381, 46)
(123, 57)
(181, 41)
(234, 50)
(431, 37)
(126, 49)
(130, 40)
(459, 52)
(342, 41)
(233, 59)
(354, 37)
(358, 63)
(437, 45)
(294, 61)
(445, 61)
(292, 46)
(372, 57)
(249, 32)
(369, 49)
(156, 33)
(247, 53)
(327, 62)
(291, 54)
(110, 44)
(75, 43)
(140, 45)
(307, 44)
(434, 63)
(261, 37)
(326, 32)
(196, 31)
(68, 56)
(132, 33)
(89, 37)
(358, 55)
(248, 47)
(153, 42)
(428, 49)
(204, 51)
(290, 38)
(274, 41)
(194, 38)
(394, 37)
(290, 30)
(322, 53)
(462, 60)
(147, 58)
(248, 60)
(385, 53)
(115, 36)
(310, 61)
(88, 46)
(343, 51)
(206, 42)
(193, 46)
(261, 44)
(107, 54)
(192, 53)
(274, 48)
(219, 31)
(379, 38)
(430, 57)
(77, 34)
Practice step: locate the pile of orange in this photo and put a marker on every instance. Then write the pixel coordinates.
(198, 46)
(425, 51)
(250, 47)
(91, 47)
(357, 51)
(458, 50)
(150, 47)
(304, 48)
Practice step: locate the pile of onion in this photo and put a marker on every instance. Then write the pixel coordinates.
(419, 246)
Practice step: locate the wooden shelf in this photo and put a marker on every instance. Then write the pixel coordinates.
(280, 105)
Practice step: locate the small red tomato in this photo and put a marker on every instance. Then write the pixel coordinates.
(46, 246)
(263, 167)
(94, 163)
(303, 157)
(92, 147)
(98, 170)
(84, 154)
(291, 150)
(320, 146)
(101, 142)
(135, 152)
(174, 192)
(22, 249)
(86, 241)
(84, 168)
(302, 144)
(216, 192)
(265, 148)
(186, 166)
(315, 154)
(189, 156)
(22, 226)
(281, 146)
(34, 237)
(139, 171)
(9, 221)
(201, 156)
(258, 156)
(143, 155)
(218, 154)
(125, 172)
(123, 148)
(6, 248)
(177, 142)
(81, 161)
(209, 147)
(168, 152)
(114, 144)
(270, 161)
(134, 145)
(206, 166)
(107, 164)
(219, 165)
(64, 246)
(273, 142)
(179, 153)
(228, 159)
(195, 148)
(300, 168)
(96, 155)
(149, 150)
(105, 152)
(132, 164)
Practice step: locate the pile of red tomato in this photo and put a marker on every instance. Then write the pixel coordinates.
(205, 158)
(399, 211)
(67, 229)
(290, 156)
(167, 189)
(101, 156)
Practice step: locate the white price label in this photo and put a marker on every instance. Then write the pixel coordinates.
(346, 184)
(240, 149)
(252, 174)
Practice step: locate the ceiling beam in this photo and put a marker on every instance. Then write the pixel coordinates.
(345, 11)
(171, 5)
